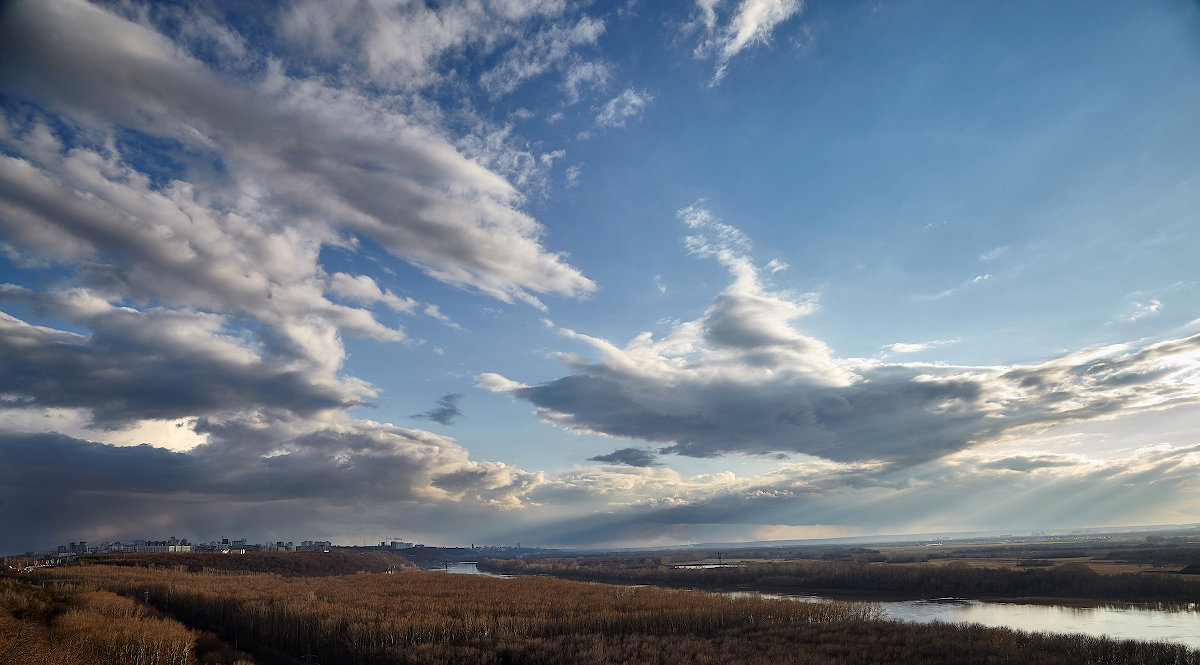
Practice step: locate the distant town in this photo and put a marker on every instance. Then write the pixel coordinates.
(173, 544)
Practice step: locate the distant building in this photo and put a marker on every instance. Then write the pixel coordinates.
(315, 546)
(162, 546)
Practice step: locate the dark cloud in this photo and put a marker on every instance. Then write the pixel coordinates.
(446, 412)
(122, 489)
(629, 456)
(34, 461)
(603, 405)
(157, 364)
(903, 413)
(887, 417)
(1031, 463)
(459, 481)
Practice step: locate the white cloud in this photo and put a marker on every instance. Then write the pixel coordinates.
(583, 74)
(496, 383)
(1140, 310)
(363, 289)
(573, 174)
(751, 23)
(399, 44)
(285, 144)
(907, 347)
(901, 347)
(629, 104)
(994, 253)
(715, 238)
(552, 47)
(977, 279)
(185, 205)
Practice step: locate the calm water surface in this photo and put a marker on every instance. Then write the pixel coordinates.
(470, 568)
(1133, 623)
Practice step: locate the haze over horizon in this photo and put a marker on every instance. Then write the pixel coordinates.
(596, 274)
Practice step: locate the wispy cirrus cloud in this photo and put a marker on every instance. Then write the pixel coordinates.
(618, 110)
(749, 23)
(954, 290)
(1141, 310)
(399, 44)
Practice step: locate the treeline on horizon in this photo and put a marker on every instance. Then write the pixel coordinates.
(432, 618)
(955, 579)
(307, 564)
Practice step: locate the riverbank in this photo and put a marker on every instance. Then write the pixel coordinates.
(410, 617)
(1072, 582)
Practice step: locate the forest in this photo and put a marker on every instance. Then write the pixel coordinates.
(172, 615)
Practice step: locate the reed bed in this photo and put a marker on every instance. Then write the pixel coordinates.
(412, 617)
(68, 626)
(1071, 580)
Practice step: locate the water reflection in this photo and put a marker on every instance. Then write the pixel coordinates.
(1133, 623)
(470, 568)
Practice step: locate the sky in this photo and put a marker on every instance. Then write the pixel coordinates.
(596, 274)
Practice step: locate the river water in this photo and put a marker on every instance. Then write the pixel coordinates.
(1133, 623)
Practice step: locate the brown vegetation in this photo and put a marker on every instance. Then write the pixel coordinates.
(430, 617)
(1070, 580)
(69, 625)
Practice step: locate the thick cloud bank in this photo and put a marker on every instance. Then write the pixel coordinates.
(167, 192)
(284, 476)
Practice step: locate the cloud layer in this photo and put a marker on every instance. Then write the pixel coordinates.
(743, 379)
(284, 475)
(177, 189)
(212, 219)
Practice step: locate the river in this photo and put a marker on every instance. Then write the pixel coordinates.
(1133, 623)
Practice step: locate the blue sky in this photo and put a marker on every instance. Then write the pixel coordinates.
(596, 274)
